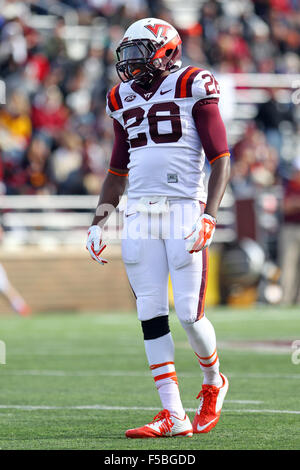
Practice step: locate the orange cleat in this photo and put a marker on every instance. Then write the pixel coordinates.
(209, 410)
(163, 425)
(24, 311)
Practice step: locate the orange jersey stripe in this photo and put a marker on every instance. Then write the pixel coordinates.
(183, 91)
(115, 173)
(113, 97)
(226, 154)
(156, 366)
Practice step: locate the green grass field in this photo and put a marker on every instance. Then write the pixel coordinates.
(79, 381)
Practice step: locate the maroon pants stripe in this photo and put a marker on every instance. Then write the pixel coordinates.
(203, 285)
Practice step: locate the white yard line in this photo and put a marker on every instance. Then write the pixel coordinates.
(133, 408)
(125, 373)
(245, 402)
(247, 346)
(80, 373)
(262, 375)
(289, 412)
(260, 347)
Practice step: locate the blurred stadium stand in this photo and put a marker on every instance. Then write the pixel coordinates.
(57, 62)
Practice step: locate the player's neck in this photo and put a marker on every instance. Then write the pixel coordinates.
(157, 77)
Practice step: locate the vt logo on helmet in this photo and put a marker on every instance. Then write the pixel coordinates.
(156, 29)
(149, 46)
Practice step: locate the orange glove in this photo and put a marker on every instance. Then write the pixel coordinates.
(202, 234)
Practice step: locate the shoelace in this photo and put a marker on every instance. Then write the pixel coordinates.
(206, 396)
(166, 424)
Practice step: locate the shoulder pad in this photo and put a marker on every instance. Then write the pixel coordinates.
(205, 86)
(197, 83)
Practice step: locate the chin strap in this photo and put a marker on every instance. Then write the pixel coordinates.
(175, 66)
(147, 82)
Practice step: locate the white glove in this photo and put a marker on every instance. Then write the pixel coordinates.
(94, 244)
(202, 234)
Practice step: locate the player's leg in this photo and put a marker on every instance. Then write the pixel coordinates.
(289, 260)
(189, 273)
(147, 270)
(189, 280)
(15, 299)
(159, 348)
(189, 285)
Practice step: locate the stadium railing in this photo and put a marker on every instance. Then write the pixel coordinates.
(63, 220)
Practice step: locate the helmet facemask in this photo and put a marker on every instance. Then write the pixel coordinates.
(135, 61)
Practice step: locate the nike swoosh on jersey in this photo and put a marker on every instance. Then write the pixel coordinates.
(153, 202)
(201, 428)
(128, 215)
(164, 92)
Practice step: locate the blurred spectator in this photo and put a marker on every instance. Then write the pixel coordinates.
(15, 127)
(15, 134)
(255, 163)
(58, 65)
(270, 115)
(290, 238)
(36, 166)
(48, 111)
(57, 83)
(66, 164)
(57, 59)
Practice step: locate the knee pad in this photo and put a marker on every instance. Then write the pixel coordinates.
(156, 327)
(151, 306)
(187, 309)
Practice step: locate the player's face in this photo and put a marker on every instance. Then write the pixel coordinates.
(134, 59)
(134, 51)
(134, 56)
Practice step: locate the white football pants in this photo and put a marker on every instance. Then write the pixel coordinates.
(153, 246)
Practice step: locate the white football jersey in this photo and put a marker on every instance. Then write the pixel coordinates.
(166, 154)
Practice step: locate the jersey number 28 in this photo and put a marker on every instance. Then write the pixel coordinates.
(153, 119)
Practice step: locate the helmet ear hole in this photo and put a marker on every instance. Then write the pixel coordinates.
(169, 52)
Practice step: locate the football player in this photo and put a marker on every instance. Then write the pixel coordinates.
(166, 121)
(9, 291)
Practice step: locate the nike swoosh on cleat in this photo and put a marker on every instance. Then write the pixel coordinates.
(164, 92)
(201, 428)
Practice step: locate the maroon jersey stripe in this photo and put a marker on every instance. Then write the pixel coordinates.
(109, 102)
(179, 80)
(190, 82)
